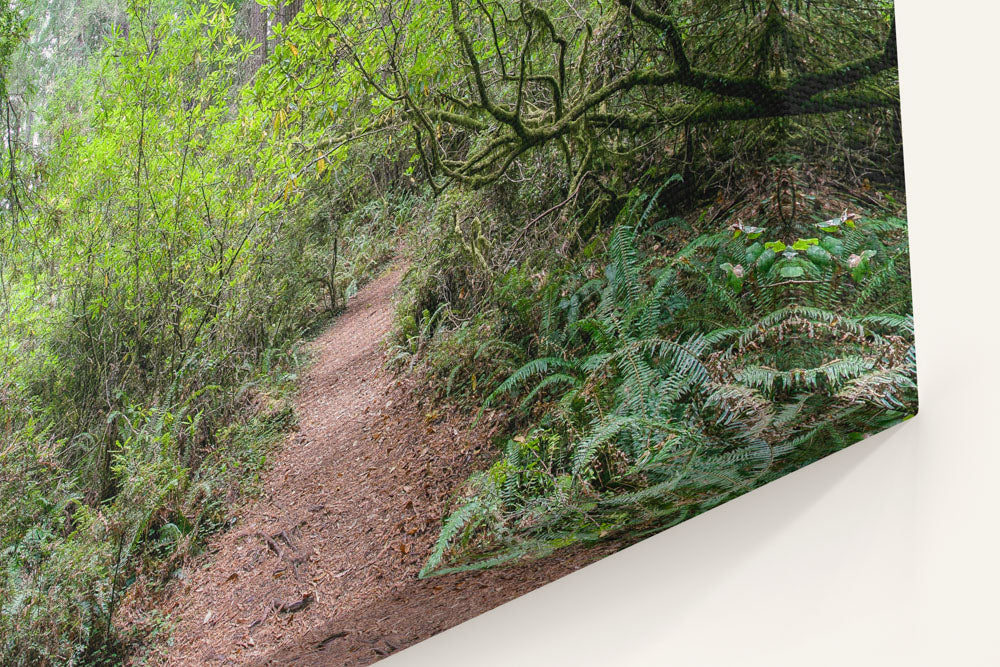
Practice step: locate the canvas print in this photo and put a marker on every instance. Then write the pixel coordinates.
(330, 324)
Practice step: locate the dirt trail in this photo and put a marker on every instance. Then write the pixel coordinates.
(322, 568)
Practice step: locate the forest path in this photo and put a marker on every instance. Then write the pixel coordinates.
(321, 569)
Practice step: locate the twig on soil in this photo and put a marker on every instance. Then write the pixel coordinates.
(280, 607)
(336, 635)
(272, 544)
(284, 607)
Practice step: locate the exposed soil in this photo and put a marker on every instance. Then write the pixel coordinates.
(322, 568)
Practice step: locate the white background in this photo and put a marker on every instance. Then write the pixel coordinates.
(887, 553)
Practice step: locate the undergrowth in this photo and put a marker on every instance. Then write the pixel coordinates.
(664, 384)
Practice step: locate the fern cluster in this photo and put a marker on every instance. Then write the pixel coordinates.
(668, 386)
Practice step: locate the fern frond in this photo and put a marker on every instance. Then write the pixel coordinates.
(455, 523)
(535, 367)
(551, 380)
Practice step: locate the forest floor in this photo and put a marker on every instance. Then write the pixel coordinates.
(321, 568)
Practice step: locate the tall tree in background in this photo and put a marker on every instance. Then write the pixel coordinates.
(13, 30)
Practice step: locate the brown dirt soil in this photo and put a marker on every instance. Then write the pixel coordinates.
(322, 568)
